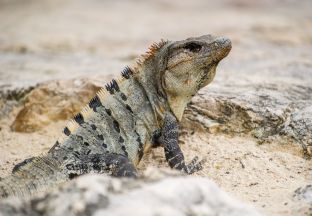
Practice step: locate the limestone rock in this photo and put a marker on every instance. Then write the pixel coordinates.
(155, 194)
(52, 101)
(266, 112)
(303, 196)
(12, 95)
(304, 193)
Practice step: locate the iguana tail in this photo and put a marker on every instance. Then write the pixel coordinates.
(38, 175)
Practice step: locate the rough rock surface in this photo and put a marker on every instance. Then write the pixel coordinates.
(160, 193)
(267, 112)
(304, 193)
(53, 101)
(303, 196)
(12, 96)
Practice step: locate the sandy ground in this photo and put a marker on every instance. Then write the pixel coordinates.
(264, 176)
(63, 39)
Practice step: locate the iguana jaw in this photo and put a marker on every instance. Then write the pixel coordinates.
(178, 103)
(191, 66)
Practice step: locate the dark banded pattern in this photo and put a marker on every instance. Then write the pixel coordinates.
(94, 103)
(79, 118)
(112, 86)
(127, 72)
(66, 131)
(173, 153)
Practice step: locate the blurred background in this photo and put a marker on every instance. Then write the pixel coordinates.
(53, 39)
(262, 92)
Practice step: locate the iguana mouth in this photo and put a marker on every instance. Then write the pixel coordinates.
(222, 48)
(217, 54)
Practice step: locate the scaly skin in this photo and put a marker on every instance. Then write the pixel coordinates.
(126, 118)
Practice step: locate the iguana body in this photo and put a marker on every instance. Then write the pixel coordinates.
(127, 117)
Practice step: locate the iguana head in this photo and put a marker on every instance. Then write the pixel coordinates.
(188, 66)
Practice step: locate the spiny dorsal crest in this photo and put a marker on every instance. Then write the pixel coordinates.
(151, 51)
(110, 88)
(127, 72)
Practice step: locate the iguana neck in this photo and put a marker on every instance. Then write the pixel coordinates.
(150, 80)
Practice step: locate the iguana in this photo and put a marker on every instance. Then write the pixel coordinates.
(140, 110)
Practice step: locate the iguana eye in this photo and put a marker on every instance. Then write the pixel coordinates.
(193, 47)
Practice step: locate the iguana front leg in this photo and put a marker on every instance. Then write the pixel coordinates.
(174, 155)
